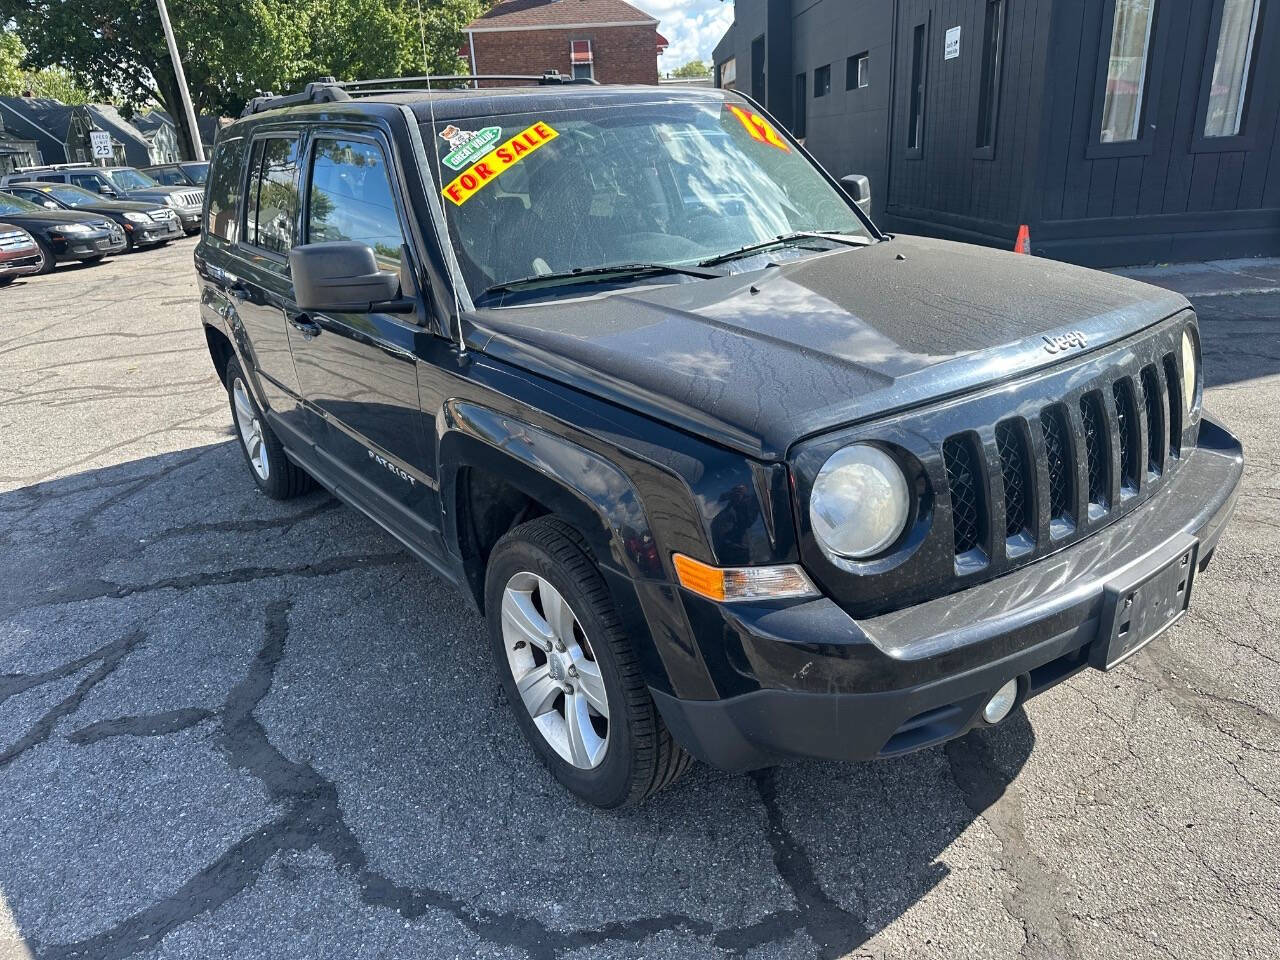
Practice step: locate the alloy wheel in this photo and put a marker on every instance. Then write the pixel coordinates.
(250, 428)
(555, 670)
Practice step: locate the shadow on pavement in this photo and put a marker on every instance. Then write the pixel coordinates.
(387, 742)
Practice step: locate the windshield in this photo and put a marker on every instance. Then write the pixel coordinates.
(667, 184)
(198, 172)
(11, 204)
(72, 196)
(127, 178)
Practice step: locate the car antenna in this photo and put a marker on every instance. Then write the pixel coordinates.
(435, 151)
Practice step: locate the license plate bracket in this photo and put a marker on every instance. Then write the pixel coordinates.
(1144, 602)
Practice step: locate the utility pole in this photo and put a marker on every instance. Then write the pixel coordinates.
(196, 145)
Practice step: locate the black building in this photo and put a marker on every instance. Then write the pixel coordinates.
(1117, 131)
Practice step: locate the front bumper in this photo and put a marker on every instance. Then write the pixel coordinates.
(20, 263)
(189, 217)
(837, 688)
(147, 234)
(85, 247)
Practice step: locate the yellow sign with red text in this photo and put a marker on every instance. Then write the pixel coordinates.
(495, 163)
(758, 127)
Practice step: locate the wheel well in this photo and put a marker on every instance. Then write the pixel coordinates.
(219, 349)
(488, 507)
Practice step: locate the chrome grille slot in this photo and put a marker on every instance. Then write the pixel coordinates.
(1127, 431)
(1059, 465)
(1097, 448)
(1155, 420)
(1019, 485)
(1175, 406)
(968, 499)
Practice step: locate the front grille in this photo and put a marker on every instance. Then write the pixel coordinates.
(967, 500)
(1018, 482)
(1012, 473)
(193, 198)
(1097, 448)
(15, 241)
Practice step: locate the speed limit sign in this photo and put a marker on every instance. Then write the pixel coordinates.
(101, 142)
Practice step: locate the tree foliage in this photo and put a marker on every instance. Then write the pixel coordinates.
(234, 49)
(16, 78)
(693, 70)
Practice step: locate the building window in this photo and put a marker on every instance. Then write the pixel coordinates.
(729, 74)
(800, 127)
(1231, 65)
(915, 126)
(822, 81)
(857, 72)
(582, 60)
(989, 93)
(1127, 71)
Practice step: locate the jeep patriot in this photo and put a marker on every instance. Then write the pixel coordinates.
(731, 474)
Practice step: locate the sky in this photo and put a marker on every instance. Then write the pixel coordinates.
(693, 27)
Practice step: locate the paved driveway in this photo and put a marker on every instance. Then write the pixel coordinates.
(230, 727)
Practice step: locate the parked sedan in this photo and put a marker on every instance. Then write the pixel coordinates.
(143, 223)
(189, 174)
(63, 235)
(19, 254)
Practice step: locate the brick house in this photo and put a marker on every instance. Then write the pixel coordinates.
(606, 40)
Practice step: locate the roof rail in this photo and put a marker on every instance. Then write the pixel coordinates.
(329, 90)
(52, 166)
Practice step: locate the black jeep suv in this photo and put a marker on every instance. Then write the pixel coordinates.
(730, 473)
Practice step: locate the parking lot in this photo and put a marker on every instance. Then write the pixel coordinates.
(234, 727)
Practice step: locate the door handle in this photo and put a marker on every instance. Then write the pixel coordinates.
(304, 325)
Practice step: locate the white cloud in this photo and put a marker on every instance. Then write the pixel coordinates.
(694, 27)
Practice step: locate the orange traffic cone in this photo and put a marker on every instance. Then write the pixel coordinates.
(1023, 244)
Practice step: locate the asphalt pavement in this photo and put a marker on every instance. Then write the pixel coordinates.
(231, 727)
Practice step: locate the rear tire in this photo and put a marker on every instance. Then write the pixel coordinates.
(275, 474)
(556, 636)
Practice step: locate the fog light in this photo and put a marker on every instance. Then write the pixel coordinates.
(998, 707)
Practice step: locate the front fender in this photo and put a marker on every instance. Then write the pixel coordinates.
(602, 503)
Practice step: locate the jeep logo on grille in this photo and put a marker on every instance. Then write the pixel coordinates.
(1066, 341)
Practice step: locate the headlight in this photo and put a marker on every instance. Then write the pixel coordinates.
(170, 201)
(75, 229)
(137, 217)
(1189, 372)
(859, 503)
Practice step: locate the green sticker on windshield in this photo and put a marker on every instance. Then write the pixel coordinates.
(468, 145)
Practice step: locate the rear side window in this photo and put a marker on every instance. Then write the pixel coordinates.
(169, 177)
(272, 209)
(351, 199)
(221, 216)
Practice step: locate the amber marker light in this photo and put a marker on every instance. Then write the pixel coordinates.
(732, 584)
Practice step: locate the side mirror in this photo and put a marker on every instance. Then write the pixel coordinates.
(859, 188)
(341, 277)
(106, 191)
(50, 205)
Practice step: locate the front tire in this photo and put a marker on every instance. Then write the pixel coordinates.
(275, 474)
(49, 260)
(569, 672)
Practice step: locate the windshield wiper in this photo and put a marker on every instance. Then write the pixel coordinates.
(786, 239)
(601, 274)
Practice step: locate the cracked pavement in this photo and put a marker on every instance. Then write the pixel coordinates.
(231, 727)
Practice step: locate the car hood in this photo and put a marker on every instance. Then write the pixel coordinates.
(759, 360)
(118, 206)
(50, 218)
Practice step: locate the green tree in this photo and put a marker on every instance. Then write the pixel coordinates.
(16, 79)
(693, 70)
(235, 49)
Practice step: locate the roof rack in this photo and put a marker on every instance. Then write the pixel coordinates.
(52, 166)
(329, 90)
